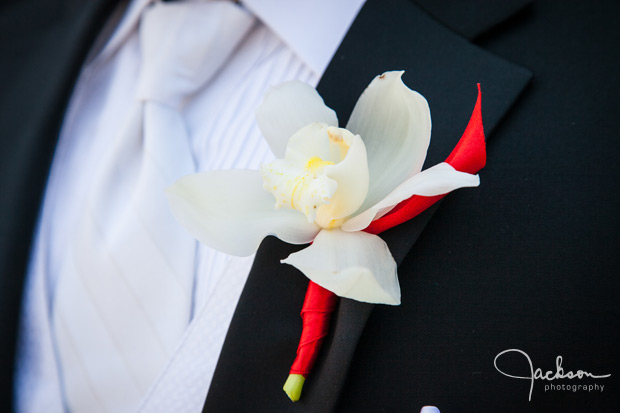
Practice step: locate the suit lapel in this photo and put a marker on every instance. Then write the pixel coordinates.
(262, 339)
(474, 17)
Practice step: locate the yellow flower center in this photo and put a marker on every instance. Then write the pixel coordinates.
(299, 182)
(315, 165)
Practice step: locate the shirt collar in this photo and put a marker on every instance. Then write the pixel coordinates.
(312, 29)
(119, 27)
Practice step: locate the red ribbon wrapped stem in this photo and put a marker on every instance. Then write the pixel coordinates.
(315, 313)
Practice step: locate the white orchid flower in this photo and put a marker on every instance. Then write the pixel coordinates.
(328, 186)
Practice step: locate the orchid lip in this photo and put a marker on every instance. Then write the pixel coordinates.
(315, 175)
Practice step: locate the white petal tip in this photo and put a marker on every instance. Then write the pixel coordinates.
(391, 74)
(353, 283)
(387, 77)
(429, 409)
(352, 265)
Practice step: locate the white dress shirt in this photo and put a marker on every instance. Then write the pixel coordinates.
(281, 45)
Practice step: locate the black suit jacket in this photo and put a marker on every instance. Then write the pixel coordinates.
(528, 260)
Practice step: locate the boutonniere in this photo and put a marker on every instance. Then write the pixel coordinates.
(333, 187)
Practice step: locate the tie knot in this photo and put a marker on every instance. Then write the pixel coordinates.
(184, 44)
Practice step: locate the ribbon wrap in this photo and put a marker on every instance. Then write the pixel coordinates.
(316, 312)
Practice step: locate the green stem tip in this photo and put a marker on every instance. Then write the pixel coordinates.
(293, 386)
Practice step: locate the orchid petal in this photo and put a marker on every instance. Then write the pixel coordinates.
(395, 124)
(355, 265)
(229, 211)
(352, 177)
(440, 179)
(286, 109)
(309, 141)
